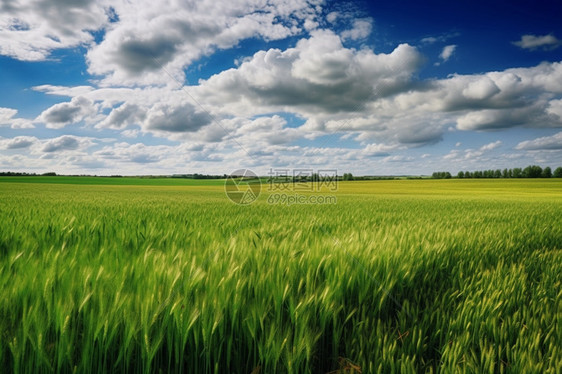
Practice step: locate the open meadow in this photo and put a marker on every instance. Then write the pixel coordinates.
(397, 276)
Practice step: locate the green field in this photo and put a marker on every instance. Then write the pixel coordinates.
(120, 181)
(398, 276)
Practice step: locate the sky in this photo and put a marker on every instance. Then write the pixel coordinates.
(368, 87)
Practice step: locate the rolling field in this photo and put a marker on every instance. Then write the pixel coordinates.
(397, 276)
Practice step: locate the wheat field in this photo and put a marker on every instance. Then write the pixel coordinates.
(398, 276)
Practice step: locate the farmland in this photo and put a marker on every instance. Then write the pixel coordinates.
(398, 276)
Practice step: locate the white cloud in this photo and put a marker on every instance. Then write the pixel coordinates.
(123, 116)
(335, 90)
(372, 98)
(6, 114)
(31, 29)
(163, 111)
(515, 97)
(555, 108)
(378, 150)
(553, 142)
(360, 30)
(7, 119)
(439, 38)
(533, 42)
(447, 52)
(63, 143)
(332, 17)
(63, 114)
(472, 155)
(481, 89)
(176, 118)
(318, 75)
(17, 143)
(491, 146)
(154, 40)
(493, 119)
(145, 41)
(64, 90)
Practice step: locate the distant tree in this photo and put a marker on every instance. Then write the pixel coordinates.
(50, 174)
(467, 174)
(557, 172)
(498, 173)
(546, 172)
(517, 173)
(460, 174)
(441, 175)
(505, 173)
(347, 176)
(532, 171)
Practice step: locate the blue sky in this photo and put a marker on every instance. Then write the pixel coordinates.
(368, 87)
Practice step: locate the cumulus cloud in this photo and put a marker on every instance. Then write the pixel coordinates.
(163, 111)
(480, 89)
(332, 16)
(360, 30)
(493, 119)
(372, 98)
(264, 131)
(553, 142)
(154, 40)
(19, 142)
(7, 118)
(31, 29)
(532, 42)
(334, 89)
(123, 116)
(319, 74)
(145, 41)
(6, 114)
(514, 97)
(63, 114)
(63, 143)
(175, 119)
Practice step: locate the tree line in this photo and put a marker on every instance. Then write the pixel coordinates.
(531, 171)
(23, 174)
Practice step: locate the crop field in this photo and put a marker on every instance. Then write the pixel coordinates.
(397, 276)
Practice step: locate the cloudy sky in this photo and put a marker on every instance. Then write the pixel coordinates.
(207, 86)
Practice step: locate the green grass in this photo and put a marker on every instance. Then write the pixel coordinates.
(121, 181)
(398, 276)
